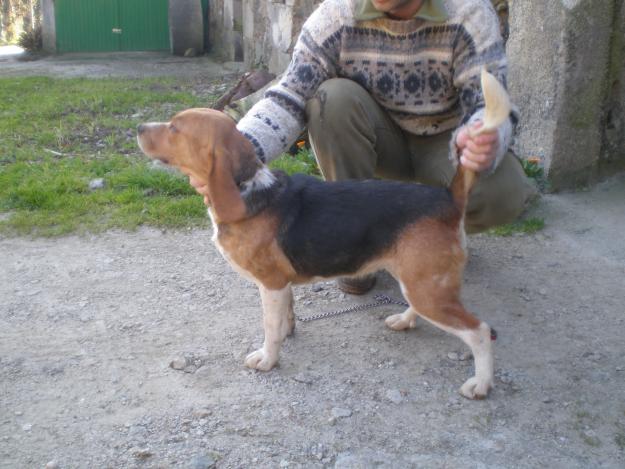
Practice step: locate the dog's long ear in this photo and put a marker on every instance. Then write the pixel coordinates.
(226, 201)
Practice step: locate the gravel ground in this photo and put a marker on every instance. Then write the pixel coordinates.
(125, 350)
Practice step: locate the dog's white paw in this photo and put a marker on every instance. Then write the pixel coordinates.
(474, 388)
(399, 322)
(260, 360)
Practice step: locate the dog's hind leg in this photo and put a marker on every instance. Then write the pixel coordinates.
(278, 322)
(444, 310)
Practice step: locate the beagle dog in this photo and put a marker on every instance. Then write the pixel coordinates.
(280, 231)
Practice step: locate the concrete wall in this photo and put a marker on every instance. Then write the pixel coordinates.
(560, 54)
(268, 30)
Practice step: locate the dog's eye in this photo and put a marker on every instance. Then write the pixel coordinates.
(173, 128)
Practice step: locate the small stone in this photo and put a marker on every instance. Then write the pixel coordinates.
(453, 356)
(190, 369)
(52, 465)
(203, 462)
(179, 363)
(141, 453)
(284, 463)
(340, 412)
(394, 395)
(27, 427)
(317, 288)
(303, 378)
(202, 413)
(96, 184)
(542, 292)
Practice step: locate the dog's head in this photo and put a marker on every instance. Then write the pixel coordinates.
(206, 145)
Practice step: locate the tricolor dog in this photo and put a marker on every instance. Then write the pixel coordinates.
(280, 231)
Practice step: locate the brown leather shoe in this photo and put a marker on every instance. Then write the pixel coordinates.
(356, 285)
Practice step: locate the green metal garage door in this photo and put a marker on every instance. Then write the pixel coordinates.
(111, 25)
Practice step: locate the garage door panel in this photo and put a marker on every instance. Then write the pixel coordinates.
(86, 26)
(144, 24)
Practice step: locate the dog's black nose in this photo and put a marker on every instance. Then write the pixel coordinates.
(140, 128)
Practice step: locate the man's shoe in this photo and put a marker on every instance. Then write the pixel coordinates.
(356, 285)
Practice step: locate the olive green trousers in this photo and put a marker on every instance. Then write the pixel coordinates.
(354, 138)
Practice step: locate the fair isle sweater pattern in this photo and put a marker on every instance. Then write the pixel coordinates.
(424, 74)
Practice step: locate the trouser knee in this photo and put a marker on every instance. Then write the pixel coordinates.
(499, 198)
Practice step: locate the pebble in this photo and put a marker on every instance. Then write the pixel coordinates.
(141, 453)
(52, 465)
(341, 412)
(203, 461)
(394, 395)
(317, 288)
(179, 363)
(302, 378)
(202, 413)
(96, 184)
(28, 427)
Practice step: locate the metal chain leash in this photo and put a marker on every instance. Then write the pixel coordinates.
(380, 300)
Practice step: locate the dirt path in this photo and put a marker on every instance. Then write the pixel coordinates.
(89, 327)
(126, 64)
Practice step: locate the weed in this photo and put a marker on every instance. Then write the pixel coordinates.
(532, 168)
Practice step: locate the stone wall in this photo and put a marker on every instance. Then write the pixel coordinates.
(566, 77)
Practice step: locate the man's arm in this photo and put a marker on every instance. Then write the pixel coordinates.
(479, 45)
(274, 123)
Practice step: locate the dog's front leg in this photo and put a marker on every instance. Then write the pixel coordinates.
(278, 322)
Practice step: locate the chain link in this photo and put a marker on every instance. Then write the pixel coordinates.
(380, 300)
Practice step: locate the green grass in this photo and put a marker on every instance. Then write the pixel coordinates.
(302, 162)
(528, 226)
(57, 135)
(532, 169)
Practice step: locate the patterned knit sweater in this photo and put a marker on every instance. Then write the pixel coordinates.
(425, 74)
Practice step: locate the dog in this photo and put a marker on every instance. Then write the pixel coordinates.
(280, 231)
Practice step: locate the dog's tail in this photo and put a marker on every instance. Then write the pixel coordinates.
(496, 110)
(461, 186)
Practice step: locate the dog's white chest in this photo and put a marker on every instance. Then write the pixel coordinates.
(237, 268)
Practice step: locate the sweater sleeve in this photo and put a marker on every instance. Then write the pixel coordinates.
(273, 124)
(479, 44)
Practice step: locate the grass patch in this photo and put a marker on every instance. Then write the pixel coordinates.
(528, 226)
(57, 135)
(302, 162)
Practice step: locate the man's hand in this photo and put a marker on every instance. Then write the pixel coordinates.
(477, 154)
(200, 188)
